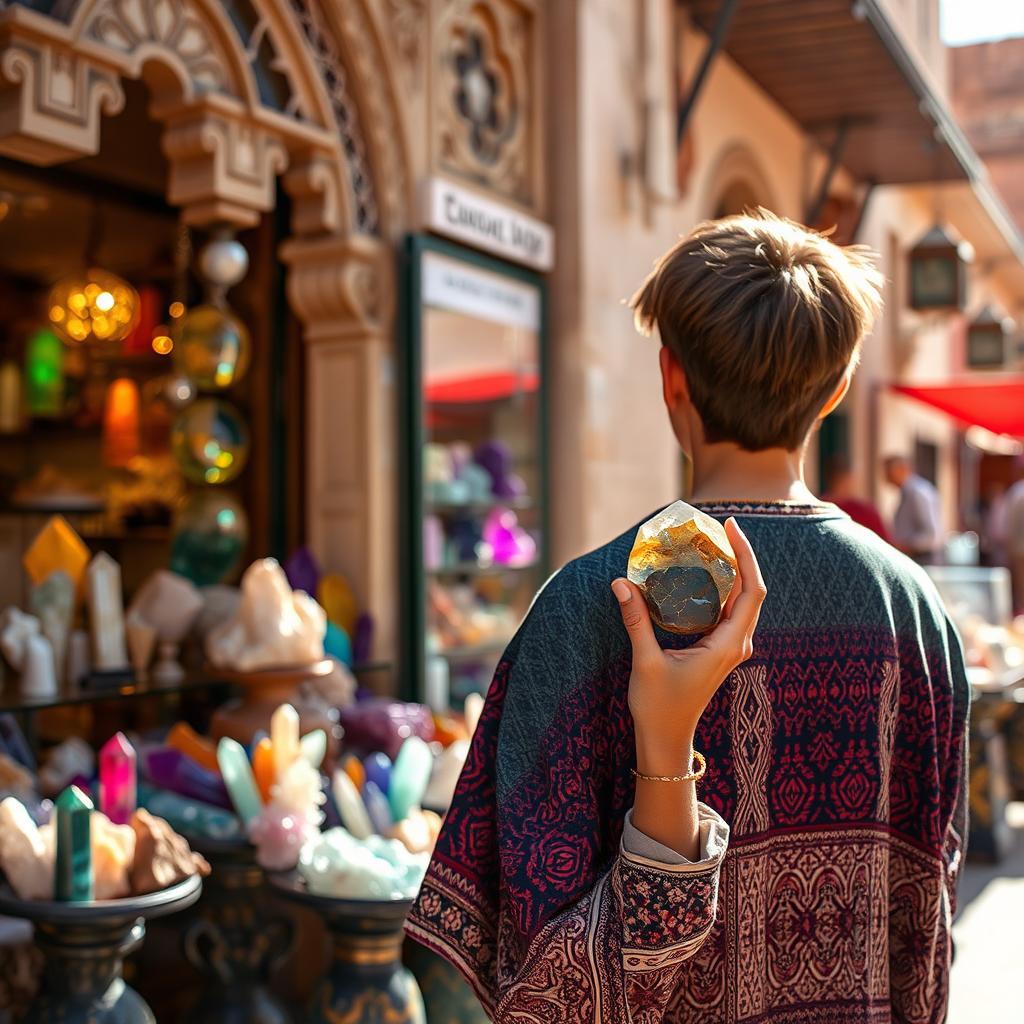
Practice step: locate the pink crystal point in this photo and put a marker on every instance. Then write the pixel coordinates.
(117, 779)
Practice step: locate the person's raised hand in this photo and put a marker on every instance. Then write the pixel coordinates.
(669, 690)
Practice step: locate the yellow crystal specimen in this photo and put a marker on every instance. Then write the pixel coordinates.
(684, 564)
(57, 546)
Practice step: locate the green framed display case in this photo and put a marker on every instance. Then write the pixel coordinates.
(473, 355)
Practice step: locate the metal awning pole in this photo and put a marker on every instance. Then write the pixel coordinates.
(715, 43)
(835, 157)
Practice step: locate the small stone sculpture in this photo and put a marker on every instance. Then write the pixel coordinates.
(167, 604)
(684, 564)
(15, 629)
(162, 857)
(274, 627)
(39, 673)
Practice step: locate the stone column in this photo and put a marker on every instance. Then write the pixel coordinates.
(341, 289)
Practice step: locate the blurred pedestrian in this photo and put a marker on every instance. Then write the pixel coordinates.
(841, 490)
(917, 526)
(995, 524)
(1015, 535)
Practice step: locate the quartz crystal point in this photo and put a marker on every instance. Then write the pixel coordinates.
(72, 812)
(106, 614)
(377, 807)
(350, 806)
(263, 767)
(284, 738)
(238, 777)
(410, 777)
(117, 779)
(684, 564)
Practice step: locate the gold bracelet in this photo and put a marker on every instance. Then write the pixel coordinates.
(691, 776)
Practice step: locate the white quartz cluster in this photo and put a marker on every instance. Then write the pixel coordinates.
(339, 865)
(274, 626)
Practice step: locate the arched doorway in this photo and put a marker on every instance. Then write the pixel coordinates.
(247, 95)
(736, 183)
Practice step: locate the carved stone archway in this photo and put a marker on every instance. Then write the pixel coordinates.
(247, 91)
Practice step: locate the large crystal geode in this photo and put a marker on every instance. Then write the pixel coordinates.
(684, 564)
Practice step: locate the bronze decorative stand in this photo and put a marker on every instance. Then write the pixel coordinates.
(366, 982)
(85, 945)
(237, 939)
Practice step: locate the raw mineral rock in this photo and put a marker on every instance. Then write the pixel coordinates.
(684, 564)
(274, 627)
(113, 850)
(279, 835)
(15, 777)
(65, 762)
(418, 832)
(382, 724)
(336, 864)
(168, 603)
(26, 852)
(162, 857)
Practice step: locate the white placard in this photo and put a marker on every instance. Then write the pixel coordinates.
(452, 284)
(464, 215)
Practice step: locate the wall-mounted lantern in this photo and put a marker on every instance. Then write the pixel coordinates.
(987, 335)
(938, 272)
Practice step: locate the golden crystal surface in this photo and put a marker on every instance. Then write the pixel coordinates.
(684, 564)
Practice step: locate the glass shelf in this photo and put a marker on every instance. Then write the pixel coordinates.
(473, 569)
(11, 698)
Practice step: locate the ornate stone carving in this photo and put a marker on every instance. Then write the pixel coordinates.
(339, 285)
(409, 30)
(485, 117)
(53, 99)
(223, 167)
(172, 25)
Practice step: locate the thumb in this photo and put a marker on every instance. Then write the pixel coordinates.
(636, 618)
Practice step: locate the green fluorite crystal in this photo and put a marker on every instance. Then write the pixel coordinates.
(72, 813)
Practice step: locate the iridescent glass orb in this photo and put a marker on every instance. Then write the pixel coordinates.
(212, 348)
(210, 441)
(210, 534)
(94, 305)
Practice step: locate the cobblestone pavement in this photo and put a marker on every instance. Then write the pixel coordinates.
(986, 986)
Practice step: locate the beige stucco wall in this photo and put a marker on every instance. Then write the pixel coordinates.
(614, 457)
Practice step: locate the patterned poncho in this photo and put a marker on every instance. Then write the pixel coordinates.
(836, 754)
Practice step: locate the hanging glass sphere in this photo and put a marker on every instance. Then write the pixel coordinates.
(223, 262)
(212, 348)
(93, 306)
(210, 534)
(210, 441)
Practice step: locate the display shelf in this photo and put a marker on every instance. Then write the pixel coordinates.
(471, 652)
(11, 699)
(477, 507)
(474, 569)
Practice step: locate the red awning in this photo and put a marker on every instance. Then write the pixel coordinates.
(997, 405)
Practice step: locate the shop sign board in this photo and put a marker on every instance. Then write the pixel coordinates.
(494, 227)
(455, 285)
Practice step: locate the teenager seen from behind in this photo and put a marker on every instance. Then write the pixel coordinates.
(814, 882)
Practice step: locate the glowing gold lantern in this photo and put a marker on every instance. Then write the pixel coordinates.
(93, 306)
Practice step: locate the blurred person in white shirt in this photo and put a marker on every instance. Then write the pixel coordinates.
(917, 528)
(1015, 535)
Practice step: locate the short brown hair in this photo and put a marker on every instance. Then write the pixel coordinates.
(765, 316)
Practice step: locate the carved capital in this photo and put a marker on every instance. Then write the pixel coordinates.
(339, 287)
(317, 192)
(51, 99)
(223, 166)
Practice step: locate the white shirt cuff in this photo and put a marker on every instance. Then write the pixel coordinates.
(714, 838)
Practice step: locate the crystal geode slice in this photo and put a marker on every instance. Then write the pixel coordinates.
(683, 562)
